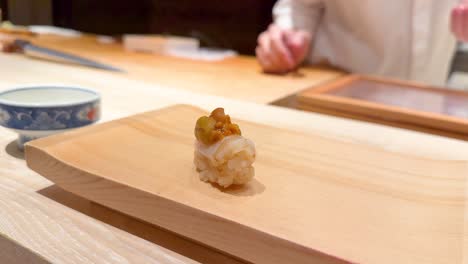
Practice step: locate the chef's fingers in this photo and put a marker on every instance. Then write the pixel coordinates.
(262, 38)
(459, 17)
(263, 60)
(279, 47)
(294, 35)
(299, 43)
(264, 41)
(267, 64)
(458, 22)
(464, 23)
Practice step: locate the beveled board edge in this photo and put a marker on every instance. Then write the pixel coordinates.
(13, 252)
(253, 245)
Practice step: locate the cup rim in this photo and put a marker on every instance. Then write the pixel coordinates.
(95, 98)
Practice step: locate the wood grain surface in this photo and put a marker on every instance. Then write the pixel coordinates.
(12, 252)
(60, 235)
(395, 205)
(63, 228)
(370, 119)
(239, 77)
(26, 210)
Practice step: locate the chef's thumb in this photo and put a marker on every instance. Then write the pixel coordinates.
(298, 43)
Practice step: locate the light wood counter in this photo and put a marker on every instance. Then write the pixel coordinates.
(237, 77)
(41, 222)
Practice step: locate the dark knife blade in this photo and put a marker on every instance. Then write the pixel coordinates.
(27, 46)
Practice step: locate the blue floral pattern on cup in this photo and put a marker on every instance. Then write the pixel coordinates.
(49, 118)
(32, 121)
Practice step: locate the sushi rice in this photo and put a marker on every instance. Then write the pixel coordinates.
(228, 161)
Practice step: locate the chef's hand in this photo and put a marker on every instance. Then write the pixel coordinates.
(281, 51)
(459, 21)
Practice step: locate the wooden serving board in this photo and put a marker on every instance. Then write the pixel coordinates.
(392, 102)
(313, 200)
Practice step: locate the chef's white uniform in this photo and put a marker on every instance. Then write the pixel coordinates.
(407, 39)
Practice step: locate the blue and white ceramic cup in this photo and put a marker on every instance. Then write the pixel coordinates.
(39, 111)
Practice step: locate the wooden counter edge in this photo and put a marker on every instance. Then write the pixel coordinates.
(12, 252)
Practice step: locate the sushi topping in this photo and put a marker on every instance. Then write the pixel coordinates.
(213, 128)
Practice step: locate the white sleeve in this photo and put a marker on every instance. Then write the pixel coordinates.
(298, 14)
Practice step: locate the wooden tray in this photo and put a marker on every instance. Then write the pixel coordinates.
(313, 200)
(392, 102)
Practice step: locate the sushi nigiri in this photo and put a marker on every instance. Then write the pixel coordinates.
(222, 155)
